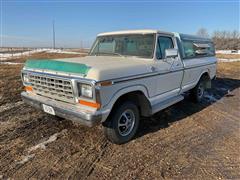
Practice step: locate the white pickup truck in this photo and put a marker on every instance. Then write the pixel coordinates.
(127, 74)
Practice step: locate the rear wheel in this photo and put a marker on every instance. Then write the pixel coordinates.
(197, 93)
(122, 124)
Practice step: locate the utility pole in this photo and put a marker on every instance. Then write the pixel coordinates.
(53, 34)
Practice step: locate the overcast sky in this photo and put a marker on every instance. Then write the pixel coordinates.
(29, 23)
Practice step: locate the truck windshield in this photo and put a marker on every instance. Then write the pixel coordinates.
(124, 45)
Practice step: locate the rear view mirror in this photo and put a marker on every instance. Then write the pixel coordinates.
(171, 53)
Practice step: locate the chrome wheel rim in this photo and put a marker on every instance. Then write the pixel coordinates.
(200, 90)
(126, 122)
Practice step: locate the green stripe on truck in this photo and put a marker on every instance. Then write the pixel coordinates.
(55, 65)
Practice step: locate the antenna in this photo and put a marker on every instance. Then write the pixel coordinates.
(53, 34)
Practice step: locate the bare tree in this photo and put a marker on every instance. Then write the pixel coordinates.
(226, 40)
(203, 32)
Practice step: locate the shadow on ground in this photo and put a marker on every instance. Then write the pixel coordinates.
(221, 87)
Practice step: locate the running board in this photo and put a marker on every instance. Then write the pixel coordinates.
(166, 103)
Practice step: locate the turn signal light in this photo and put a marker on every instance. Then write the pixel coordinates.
(28, 88)
(106, 83)
(90, 104)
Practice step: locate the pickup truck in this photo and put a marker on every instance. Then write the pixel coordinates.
(126, 75)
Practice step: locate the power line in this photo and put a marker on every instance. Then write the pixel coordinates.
(53, 26)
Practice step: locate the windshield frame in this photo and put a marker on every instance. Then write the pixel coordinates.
(123, 55)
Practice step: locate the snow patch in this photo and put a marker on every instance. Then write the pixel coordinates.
(4, 123)
(63, 52)
(210, 98)
(5, 56)
(228, 60)
(10, 106)
(228, 52)
(229, 93)
(222, 89)
(43, 144)
(10, 63)
(26, 158)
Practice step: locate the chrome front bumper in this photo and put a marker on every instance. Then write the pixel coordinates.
(64, 110)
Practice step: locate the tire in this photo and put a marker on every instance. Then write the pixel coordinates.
(197, 93)
(122, 124)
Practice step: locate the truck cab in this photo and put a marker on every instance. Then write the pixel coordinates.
(126, 75)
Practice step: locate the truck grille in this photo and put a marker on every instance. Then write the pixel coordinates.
(54, 88)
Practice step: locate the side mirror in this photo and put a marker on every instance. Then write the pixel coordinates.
(171, 53)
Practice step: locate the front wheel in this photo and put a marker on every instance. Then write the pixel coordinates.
(197, 93)
(122, 124)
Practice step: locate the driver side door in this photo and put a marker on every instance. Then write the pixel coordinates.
(170, 70)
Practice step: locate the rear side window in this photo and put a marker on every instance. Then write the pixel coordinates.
(163, 44)
(188, 49)
(194, 49)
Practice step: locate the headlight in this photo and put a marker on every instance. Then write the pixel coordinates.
(85, 90)
(25, 78)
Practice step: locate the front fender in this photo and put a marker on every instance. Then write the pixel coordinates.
(120, 92)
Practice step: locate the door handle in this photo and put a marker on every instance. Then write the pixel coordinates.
(153, 69)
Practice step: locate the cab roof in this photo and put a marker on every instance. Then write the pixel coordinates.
(194, 38)
(140, 31)
(154, 31)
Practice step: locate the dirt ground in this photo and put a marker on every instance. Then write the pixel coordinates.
(187, 140)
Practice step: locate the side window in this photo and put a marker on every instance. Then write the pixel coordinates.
(198, 49)
(163, 44)
(188, 49)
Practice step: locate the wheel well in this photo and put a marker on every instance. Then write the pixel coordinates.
(207, 80)
(139, 99)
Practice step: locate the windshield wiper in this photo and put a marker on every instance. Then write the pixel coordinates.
(118, 54)
(110, 53)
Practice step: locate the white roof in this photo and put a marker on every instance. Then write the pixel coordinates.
(140, 31)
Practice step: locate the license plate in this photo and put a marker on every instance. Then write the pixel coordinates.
(48, 109)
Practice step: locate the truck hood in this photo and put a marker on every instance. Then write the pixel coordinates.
(98, 68)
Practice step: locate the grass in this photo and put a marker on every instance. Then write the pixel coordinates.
(228, 56)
